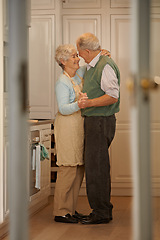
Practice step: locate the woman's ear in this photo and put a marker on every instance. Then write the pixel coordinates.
(63, 62)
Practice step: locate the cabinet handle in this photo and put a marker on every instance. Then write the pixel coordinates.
(46, 135)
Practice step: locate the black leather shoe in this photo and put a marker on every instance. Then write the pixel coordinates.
(95, 220)
(79, 216)
(90, 216)
(66, 219)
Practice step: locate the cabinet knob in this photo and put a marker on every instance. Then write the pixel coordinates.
(147, 84)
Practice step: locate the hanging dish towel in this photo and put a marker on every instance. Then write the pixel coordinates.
(44, 153)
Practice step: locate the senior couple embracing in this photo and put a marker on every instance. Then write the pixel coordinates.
(88, 98)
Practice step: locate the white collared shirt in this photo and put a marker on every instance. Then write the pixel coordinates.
(109, 80)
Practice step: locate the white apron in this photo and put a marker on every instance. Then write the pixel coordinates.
(69, 135)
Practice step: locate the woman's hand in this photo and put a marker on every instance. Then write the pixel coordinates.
(105, 53)
(82, 100)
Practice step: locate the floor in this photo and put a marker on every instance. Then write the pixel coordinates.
(43, 227)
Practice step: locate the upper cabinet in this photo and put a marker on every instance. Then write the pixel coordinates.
(5, 20)
(81, 3)
(41, 67)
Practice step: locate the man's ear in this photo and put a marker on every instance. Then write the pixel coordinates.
(87, 50)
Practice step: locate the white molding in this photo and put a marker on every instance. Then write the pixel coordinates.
(1, 111)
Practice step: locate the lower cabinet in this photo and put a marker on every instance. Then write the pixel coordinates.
(40, 194)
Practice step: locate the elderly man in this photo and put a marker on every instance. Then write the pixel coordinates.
(102, 85)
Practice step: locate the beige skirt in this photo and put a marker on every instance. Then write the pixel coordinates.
(69, 139)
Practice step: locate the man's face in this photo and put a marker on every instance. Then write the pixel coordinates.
(84, 54)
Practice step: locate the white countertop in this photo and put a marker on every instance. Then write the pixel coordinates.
(40, 121)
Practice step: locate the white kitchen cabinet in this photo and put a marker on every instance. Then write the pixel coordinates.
(41, 67)
(155, 99)
(40, 198)
(117, 26)
(110, 21)
(5, 156)
(5, 20)
(5, 177)
(121, 169)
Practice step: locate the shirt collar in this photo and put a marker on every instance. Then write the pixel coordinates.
(94, 61)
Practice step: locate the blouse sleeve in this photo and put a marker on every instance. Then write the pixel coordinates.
(63, 99)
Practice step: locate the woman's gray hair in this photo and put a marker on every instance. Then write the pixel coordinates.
(63, 52)
(88, 41)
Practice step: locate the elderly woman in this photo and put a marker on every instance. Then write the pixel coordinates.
(69, 135)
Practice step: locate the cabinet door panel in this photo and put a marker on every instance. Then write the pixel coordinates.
(128, 3)
(42, 4)
(155, 3)
(120, 4)
(75, 25)
(154, 63)
(5, 20)
(41, 86)
(121, 152)
(6, 186)
(120, 148)
(154, 99)
(120, 49)
(81, 3)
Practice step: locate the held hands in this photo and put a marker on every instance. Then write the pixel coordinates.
(82, 100)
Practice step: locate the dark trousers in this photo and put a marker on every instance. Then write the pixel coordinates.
(99, 133)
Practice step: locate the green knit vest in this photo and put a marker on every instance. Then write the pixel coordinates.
(92, 86)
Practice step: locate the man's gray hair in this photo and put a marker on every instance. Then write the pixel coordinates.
(88, 41)
(63, 52)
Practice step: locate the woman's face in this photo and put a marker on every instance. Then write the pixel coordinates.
(73, 62)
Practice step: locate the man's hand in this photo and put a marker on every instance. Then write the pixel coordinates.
(104, 100)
